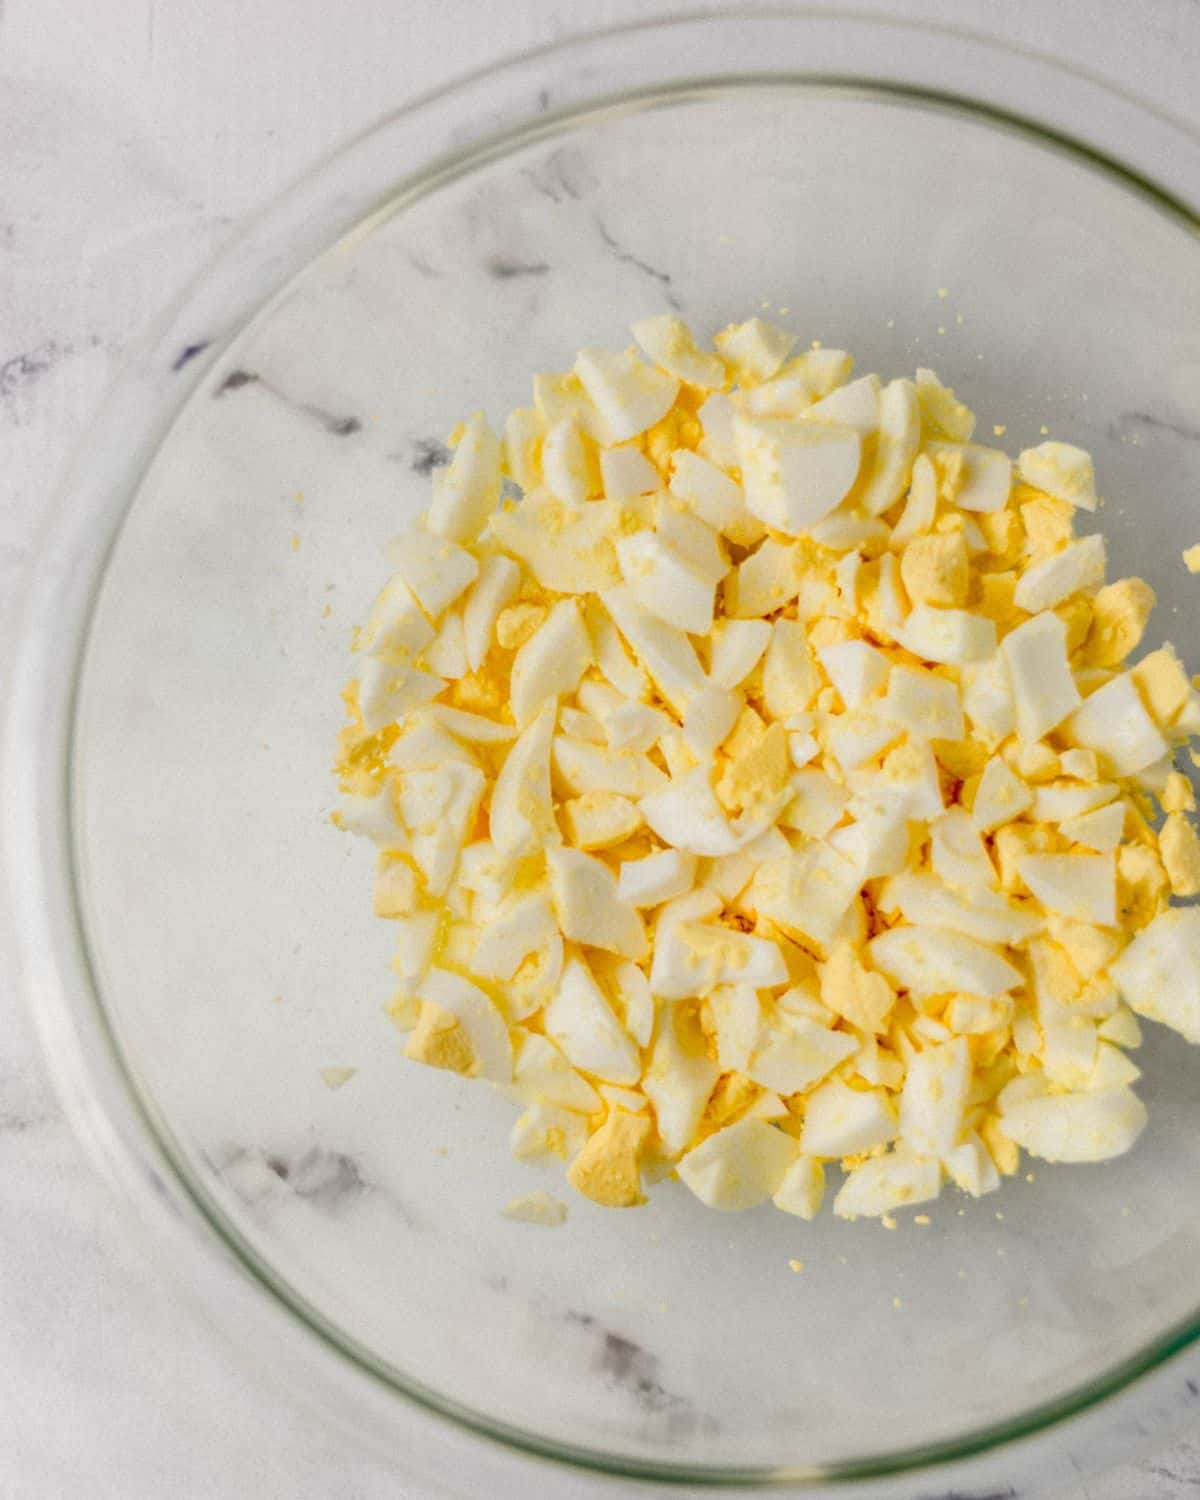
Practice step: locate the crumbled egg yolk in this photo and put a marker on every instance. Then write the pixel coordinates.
(766, 789)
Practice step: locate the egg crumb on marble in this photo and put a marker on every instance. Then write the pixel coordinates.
(1191, 558)
(765, 790)
(337, 1078)
(538, 1207)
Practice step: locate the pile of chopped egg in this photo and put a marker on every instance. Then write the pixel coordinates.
(760, 783)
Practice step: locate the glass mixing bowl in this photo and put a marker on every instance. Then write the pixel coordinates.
(198, 940)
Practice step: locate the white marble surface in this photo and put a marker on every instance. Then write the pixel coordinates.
(136, 133)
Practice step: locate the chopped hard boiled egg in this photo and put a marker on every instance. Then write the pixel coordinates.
(763, 782)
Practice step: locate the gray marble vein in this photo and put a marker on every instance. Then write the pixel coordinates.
(1134, 423)
(334, 423)
(428, 454)
(188, 353)
(622, 253)
(506, 268)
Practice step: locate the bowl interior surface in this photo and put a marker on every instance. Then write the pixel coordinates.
(230, 924)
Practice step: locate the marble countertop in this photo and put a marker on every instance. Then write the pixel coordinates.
(137, 133)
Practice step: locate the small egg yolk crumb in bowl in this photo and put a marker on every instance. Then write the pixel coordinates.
(764, 778)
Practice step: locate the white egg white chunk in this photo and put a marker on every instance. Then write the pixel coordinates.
(396, 624)
(847, 528)
(566, 463)
(755, 349)
(792, 390)
(666, 584)
(632, 992)
(524, 428)
(692, 539)
(519, 927)
(816, 805)
(1061, 470)
(1000, 796)
(467, 490)
(587, 767)
(789, 675)
(931, 961)
(687, 815)
(795, 472)
(1076, 1127)
(711, 494)
(809, 892)
(1114, 723)
(542, 1075)
(656, 878)
(544, 1131)
(709, 718)
(988, 698)
(1100, 830)
(924, 901)
(581, 1022)
(629, 395)
(877, 839)
(1043, 688)
(924, 704)
(860, 735)
(718, 444)
(521, 813)
(987, 475)
(446, 654)
(798, 1053)
(1078, 567)
(1158, 975)
(855, 405)
(668, 342)
(373, 817)
(663, 650)
(568, 550)
(857, 669)
(841, 1121)
(496, 585)
(588, 909)
(942, 413)
(934, 1098)
(1066, 799)
(388, 691)
(802, 1189)
(738, 1167)
(957, 853)
(898, 441)
(416, 937)
(693, 958)
(970, 1167)
(626, 473)
(678, 1080)
(484, 1025)
(439, 808)
(737, 1013)
(738, 647)
(951, 637)
(900, 1179)
(920, 508)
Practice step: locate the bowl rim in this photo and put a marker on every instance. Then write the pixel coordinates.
(95, 1079)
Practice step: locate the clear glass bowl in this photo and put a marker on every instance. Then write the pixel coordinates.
(198, 939)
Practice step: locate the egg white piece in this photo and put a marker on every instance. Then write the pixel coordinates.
(1061, 470)
(795, 472)
(581, 1022)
